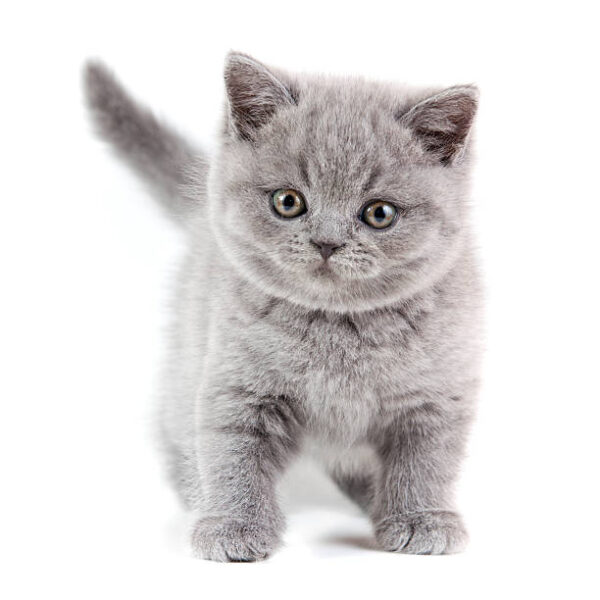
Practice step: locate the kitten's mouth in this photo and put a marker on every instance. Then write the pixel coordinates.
(323, 269)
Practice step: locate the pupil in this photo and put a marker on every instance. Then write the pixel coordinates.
(379, 213)
(289, 201)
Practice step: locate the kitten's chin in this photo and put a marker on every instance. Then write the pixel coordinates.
(330, 286)
(339, 273)
(325, 287)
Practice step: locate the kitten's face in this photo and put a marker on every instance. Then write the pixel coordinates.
(339, 146)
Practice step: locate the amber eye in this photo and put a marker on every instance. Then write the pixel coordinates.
(288, 203)
(379, 214)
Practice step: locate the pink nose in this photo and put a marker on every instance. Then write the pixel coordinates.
(326, 248)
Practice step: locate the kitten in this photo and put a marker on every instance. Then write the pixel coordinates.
(330, 298)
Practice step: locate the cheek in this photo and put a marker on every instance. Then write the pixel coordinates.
(386, 249)
(418, 239)
(248, 216)
(285, 243)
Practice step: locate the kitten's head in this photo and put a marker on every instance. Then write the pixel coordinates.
(339, 194)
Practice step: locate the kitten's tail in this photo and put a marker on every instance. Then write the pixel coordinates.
(175, 170)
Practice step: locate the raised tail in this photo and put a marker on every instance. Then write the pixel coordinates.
(175, 171)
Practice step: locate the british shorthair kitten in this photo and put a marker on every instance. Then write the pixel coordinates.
(330, 298)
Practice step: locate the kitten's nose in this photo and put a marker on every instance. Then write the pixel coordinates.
(326, 248)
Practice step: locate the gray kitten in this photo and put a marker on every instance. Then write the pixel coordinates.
(330, 299)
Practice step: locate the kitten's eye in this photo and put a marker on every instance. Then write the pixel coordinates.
(379, 214)
(288, 203)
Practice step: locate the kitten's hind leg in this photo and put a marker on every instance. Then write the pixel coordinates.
(355, 472)
(181, 466)
(182, 469)
(359, 488)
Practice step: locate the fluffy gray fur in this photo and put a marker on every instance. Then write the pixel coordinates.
(371, 357)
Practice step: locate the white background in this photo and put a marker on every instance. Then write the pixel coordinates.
(87, 262)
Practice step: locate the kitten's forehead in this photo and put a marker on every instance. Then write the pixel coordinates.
(344, 136)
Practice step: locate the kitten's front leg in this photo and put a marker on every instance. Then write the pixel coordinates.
(245, 444)
(413, 509)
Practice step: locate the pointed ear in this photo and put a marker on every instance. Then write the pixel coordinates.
(442, 122)
(254, 94)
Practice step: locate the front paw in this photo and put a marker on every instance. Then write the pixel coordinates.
(427, 532)
(232, 540)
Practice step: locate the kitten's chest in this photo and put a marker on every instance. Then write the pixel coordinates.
(345, 367)
(349, 355)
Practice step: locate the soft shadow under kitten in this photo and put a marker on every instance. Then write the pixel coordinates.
(329, 299)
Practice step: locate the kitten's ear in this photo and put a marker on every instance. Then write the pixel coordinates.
(442, 122)
(254, 94)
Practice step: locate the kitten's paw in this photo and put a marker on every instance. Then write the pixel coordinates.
(428, 532)
(230, 540)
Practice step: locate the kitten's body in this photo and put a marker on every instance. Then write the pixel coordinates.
(374, 363)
